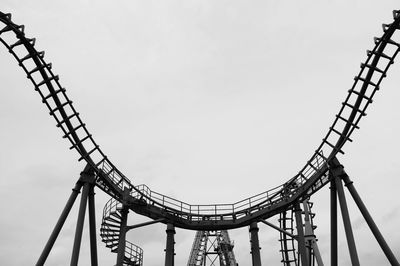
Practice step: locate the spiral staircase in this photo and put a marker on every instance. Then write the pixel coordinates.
(110, 232)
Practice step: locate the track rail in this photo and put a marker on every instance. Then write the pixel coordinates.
(60, 107)
(309, 179)
(288, 249)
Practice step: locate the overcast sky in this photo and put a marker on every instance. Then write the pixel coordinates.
(205, 101)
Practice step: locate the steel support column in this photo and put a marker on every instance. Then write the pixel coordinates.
(300, 235)
(255, 245)
(59, 225)
(92, 227)
(368, 218)
(170, 250)
(278, 229)
(334, 235)
(122, 236)
(311, 240)
(346, 221)
(144, 224)
(79, 224)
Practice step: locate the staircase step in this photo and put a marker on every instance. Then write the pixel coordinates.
(109, 238)
(112, 245)
(106, 224)
(116, 214)
(109, 230)
(109, 218)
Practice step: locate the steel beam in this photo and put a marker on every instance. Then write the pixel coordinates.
(122, 236)
(311, 240)
(59, 225)
(144, 224)
(309, 236)
(346, 221)
(368, 218)
(300, 235)
(79, 224)
(170, 250)
(278, 229)
(255, 245)
(92, 227)
(334, 234)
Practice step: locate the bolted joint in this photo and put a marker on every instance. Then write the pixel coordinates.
(126, 196)
(77, 188)
(124, 210)
(332, 183)
(297, 209)
(88, 175)
(170, 229)
(347, 181)
(88, 170)
(254, 227)
(396, 14)
(337, 169)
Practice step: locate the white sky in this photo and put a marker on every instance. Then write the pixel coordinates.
(205, 101)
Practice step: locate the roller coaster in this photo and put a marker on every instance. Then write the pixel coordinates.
(290, 200)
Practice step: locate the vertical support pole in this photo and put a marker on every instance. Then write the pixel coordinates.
(368, 218)
(59, 225)
(317, 254)
(255, 245)
(170, 250)
(310, 238)
(79, 225)
(92, 227)
(122, 236)
(346, 221)
(300, 234)
(308, 232)
(334, 234)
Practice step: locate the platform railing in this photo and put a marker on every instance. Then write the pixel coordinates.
(54, 96)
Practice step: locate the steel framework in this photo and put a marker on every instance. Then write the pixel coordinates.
(212, 248)
(289, 200)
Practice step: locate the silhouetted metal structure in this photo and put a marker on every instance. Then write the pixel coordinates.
(212, 248)
(289, 201)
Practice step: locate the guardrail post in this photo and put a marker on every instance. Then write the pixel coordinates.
(255, 245)
(170, 250)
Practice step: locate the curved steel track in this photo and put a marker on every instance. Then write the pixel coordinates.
(312, 177)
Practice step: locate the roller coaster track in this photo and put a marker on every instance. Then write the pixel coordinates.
(312, 177)
(288, 249)
(287, 242)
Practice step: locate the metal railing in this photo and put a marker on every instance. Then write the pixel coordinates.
(359, 97)
(132, 252)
